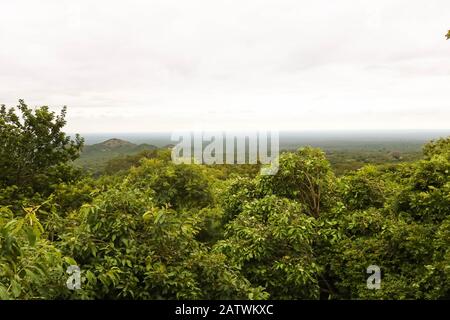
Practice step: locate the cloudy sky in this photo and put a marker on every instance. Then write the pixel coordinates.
(161, 65)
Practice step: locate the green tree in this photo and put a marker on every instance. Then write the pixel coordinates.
(31, 267)
(179, 186)
(128, 247)
(34, 151)
(363, 188)
(407, 236)
(304, 176)
(271, 243)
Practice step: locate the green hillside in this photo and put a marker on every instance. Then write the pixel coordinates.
(95, 157)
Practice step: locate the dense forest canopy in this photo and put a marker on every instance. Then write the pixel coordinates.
(150, 229)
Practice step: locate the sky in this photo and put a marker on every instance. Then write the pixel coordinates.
(166, 65)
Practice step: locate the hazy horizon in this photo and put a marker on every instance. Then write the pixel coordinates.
(288, 137)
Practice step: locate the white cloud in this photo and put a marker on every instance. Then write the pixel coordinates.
(173, 65)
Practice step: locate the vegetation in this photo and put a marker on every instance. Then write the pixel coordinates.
(149, 229)
(112, 155)
(115, 155)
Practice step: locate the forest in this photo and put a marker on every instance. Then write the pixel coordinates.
(146, 228)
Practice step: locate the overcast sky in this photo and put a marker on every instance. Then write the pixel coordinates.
(163, 65)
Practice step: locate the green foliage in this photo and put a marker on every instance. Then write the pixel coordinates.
(131, 249)
(426, 195)
(180, 186)
(71, 196)
(122, 164)
(364, 188)
(407, 237)
(303, 176)
(438, 147)
(115, 155)
(150, 229)
(34, 151)
(235, 194)
(404, 250)
(354, 156)
(31, 267)
(271, 242)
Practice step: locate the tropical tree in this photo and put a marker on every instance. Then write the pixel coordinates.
(304, 176)
(34, 152)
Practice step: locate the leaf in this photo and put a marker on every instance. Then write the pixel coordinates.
(18, 224)
(91, 277)
(16, 288)
(31, 236)
(3, 293)
(159, 217)
(70, 261)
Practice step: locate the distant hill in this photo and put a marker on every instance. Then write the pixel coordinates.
(112, 144)
(95, 156)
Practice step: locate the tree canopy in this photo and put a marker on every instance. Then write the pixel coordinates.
(34, 151)
(157, 230)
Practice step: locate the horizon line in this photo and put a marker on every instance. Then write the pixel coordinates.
(267, 130)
